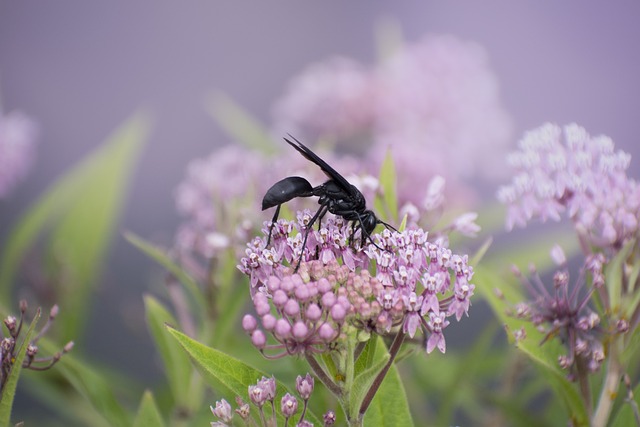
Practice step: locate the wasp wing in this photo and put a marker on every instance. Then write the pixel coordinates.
(328, 170)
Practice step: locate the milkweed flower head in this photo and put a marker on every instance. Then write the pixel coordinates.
(563, 311)
(328, 99)
(398, 280)
(565, 172)
(438, 98)
(224, 175)
(18, 136)
(11, 344)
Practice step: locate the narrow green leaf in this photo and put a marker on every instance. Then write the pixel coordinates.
(387, 204)
(628, 414)
(176, 363)
(365, 372)
(225, 371)
(403, 224)
(95, 388)
(80, 210)
(9, 389)
(481, 252)
(230, 307)
(391, 392)
(160, 256)
(239, 124)
(390, 405)
(367, 356)
(148, 413)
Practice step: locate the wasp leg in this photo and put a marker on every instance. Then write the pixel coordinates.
(273, 224)
(319, 215)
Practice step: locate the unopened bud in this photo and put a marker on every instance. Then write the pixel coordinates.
(54, 311)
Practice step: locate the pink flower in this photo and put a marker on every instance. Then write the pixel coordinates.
(566, 172)
(375, 287)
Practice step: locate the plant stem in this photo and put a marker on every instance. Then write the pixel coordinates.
(610, 387)
(393, 352)
(323, 377)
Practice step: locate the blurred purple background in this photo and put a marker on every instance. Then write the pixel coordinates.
(81, 68)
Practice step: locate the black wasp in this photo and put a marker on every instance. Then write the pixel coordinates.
(336, 195)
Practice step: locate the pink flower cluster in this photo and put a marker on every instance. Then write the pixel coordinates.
(214, 199)
(435, 103)
(563, 171)
(18, 135)
(398, 280)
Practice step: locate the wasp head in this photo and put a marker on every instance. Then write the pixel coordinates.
(369, 221)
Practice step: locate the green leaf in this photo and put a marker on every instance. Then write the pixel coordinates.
(239, 124)
(148, 413)
(232, 301)
(176, 363)
(364, 379)
(160, 256)
(390, 405)
(95, 388)
(367, 356)
(233, 375)
(387, 204)
(545, 356)
(391, 393)
(629, 414)
(9, 389)
(80, 210)
(480, 253)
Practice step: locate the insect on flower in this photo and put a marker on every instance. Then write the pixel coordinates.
(336, 195)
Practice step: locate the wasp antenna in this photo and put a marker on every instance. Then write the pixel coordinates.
(387, 225)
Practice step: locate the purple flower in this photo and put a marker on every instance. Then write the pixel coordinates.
(223, 411)
(304, 385)
(288, 406)
(329, 99)
(566, 172)
(18, 135)
(414, 286)
(436, 324)
(564, 313)
(436, 99)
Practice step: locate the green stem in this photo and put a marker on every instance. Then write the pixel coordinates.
(610, 387)
(335, 389)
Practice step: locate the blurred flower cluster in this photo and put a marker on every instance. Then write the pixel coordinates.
(433, 103)
(564, 171)
(18, 134)
(11, 345)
